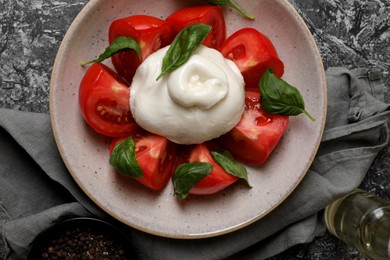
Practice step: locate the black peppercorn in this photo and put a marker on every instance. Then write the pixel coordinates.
(78, 243)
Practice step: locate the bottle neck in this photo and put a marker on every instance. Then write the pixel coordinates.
(375, 232)
(363, 221)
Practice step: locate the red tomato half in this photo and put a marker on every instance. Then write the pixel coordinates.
(104, 101)
(217, 180)
(156, 156)
(253, 53)
(257, 134)
(150, 32)
(211, 15)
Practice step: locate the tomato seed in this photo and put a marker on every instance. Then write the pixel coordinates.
(261, 120)
(114, 114)
(157, 44)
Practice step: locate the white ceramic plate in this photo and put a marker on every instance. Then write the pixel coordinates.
(86, 153)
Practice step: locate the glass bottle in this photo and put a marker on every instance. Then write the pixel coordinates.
(361, 220)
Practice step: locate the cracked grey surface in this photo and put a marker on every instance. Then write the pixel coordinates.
(349, 33)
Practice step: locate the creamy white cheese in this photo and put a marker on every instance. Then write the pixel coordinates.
(199, 101)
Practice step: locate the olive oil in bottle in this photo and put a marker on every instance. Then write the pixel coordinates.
(361, 220)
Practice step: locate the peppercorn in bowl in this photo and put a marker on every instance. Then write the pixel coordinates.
(82, 238)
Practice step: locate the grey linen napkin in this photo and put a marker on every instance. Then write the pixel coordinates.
(37, 191)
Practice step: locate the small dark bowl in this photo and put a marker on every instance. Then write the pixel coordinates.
(97, 231)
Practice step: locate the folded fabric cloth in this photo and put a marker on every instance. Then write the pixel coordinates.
(36, 190)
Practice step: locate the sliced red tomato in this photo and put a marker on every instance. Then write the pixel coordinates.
(211, 15)
(150, 32)
(253, 53)
(257, 133)
(217, 180)
(104, 101)
(155, 155)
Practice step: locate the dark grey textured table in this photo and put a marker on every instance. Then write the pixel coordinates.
(349, 33)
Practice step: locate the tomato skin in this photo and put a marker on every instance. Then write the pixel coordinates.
(104, 101)
(253, 53)
(216, 181)
(257, 134)
(156, 156)
(150, 32)
(211, 15)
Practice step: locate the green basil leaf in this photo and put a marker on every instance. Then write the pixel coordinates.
(120, 44)
(233, 5)
(187, 175)
(182, 47)
(279, 97)
(123, 159)
(230, 165)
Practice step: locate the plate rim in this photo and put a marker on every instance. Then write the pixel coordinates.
(55, 71)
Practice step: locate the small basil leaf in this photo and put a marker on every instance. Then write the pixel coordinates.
(182, 47)
(120, 44)
(233, 5)
(230, 165)
(123, 159)
(187, 175)
(279, 97)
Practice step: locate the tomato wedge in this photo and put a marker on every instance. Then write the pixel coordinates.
(150, 32)
(104, 101)
(253, 53)
(156, 156)
(217, 180)
(257, 134)
(211, 15)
